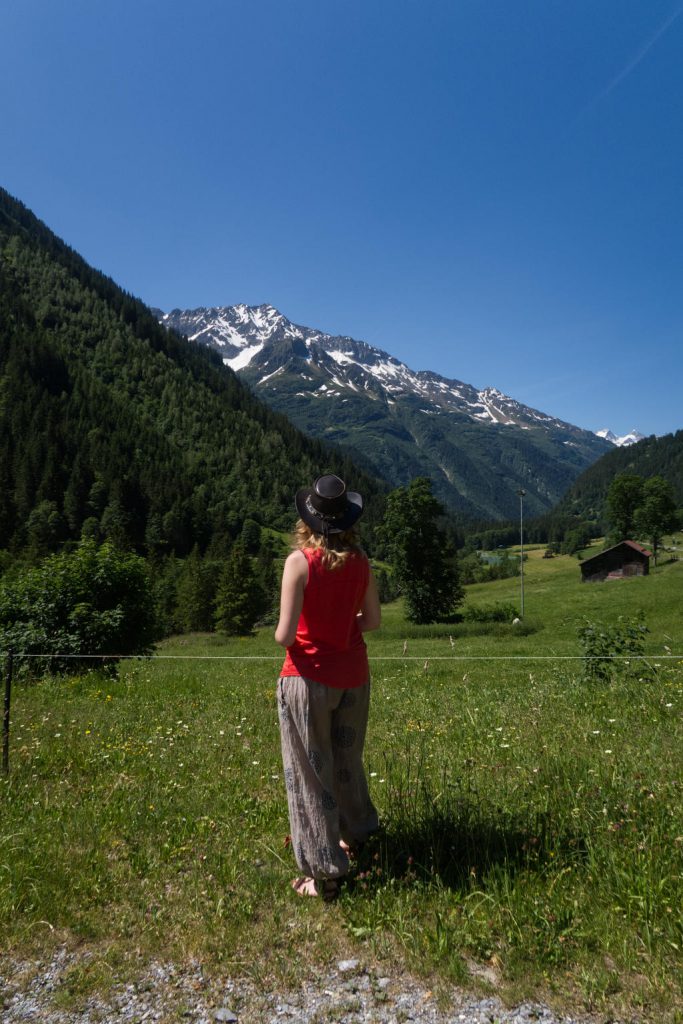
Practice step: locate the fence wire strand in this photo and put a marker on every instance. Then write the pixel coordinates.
(371, 657)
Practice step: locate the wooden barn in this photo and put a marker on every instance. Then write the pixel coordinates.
(624, 559)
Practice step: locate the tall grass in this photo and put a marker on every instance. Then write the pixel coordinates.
(532, 819)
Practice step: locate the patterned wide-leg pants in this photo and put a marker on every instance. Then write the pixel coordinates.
(322, 729)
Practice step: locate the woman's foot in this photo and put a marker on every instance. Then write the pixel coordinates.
(304, 886)
(328, 888)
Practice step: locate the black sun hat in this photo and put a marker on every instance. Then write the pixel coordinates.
(327, 507)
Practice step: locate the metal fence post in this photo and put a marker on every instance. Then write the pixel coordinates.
(5, 717)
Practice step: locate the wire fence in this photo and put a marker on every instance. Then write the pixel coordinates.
(9, 657)
(371, 657)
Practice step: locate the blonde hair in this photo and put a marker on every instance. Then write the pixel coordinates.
(336, 547)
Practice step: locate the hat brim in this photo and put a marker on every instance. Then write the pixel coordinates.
(352, 513)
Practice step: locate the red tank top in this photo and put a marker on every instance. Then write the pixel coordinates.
(329, 646)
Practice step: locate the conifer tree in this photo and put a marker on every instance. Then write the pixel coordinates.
(44, 530)
(166, 573)
(115, 523)
(250, 537)
(196, 594)
(241, 598)
(268, 576)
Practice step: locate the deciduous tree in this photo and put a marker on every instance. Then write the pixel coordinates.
(623, 498)
(93, 600)
(656, 514)
(421, 554)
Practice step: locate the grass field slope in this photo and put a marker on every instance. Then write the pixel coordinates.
(532, 831)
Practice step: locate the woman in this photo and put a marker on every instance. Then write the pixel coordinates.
(329, 599)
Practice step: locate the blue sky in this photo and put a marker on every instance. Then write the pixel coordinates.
(488, 188)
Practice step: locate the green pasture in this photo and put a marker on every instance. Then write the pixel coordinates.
(532, 840)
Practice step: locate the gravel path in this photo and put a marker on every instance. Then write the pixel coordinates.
(348, 992)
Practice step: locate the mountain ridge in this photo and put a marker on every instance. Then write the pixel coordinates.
(405, 423)
(265, 324)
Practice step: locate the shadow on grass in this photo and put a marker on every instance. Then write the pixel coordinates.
(455, 840)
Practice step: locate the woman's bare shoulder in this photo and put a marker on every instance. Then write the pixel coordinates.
(296, 561)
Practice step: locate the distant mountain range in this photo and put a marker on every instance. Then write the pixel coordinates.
(479, 446)
(621, 442)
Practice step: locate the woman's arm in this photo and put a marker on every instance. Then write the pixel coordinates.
(294, 580)
(370, 615)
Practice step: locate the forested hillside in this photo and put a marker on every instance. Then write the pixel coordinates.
(582, 510)
(114, 427)
(653, 456)
(583, 507)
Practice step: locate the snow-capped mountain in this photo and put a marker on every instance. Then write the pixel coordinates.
(251, 337)
(479, 446)
(238, 332)
(621, 442)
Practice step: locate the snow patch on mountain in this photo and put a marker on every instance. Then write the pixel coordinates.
(269, 376)
(244, 357)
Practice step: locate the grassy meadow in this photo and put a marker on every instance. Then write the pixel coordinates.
(533, 835)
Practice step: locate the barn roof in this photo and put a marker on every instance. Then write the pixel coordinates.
(622, 543)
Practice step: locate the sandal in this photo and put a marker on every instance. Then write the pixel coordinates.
(328, 888)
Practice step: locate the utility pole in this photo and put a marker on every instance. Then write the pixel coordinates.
(521, 492)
